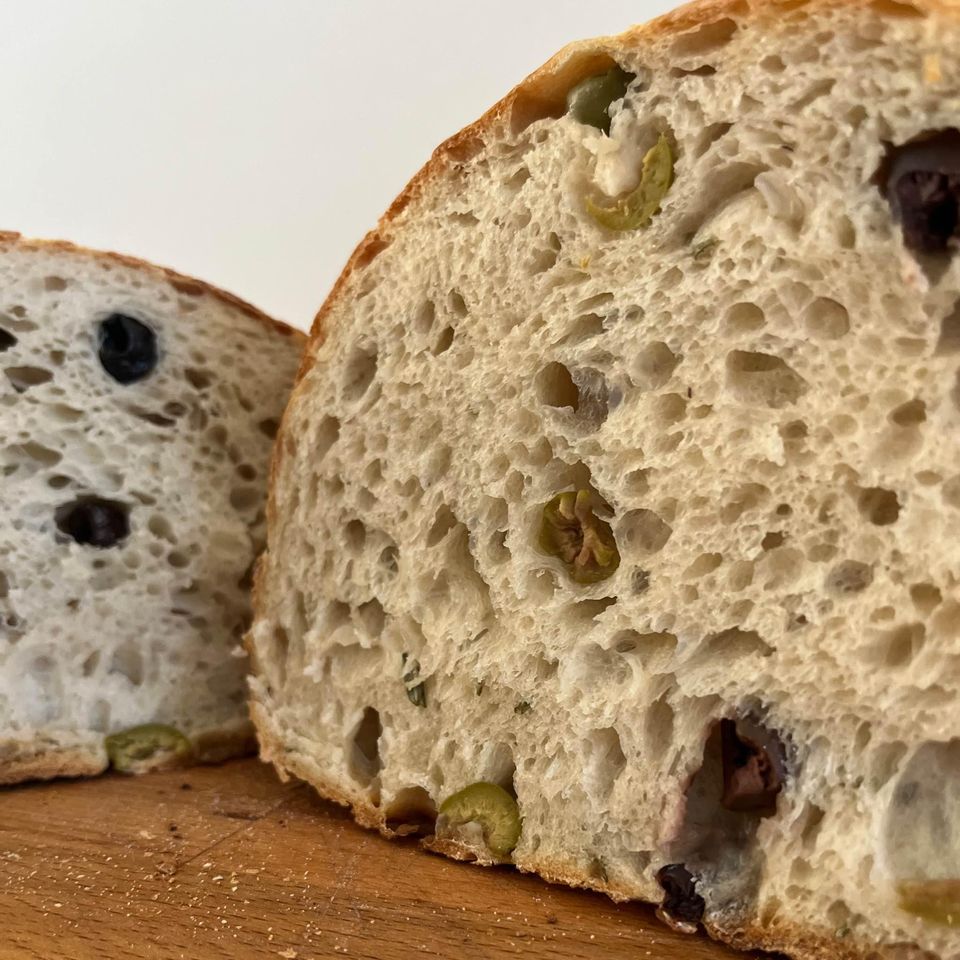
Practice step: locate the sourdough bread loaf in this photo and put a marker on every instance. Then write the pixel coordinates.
(619, 498)
(137, 411)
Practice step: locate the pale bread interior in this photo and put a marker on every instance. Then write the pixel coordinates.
(95, 640)
(763, 386)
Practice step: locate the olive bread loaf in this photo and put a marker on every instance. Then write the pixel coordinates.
(616, 515)
(137, 411)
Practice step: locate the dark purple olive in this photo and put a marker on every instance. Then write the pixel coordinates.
(127, 348)
(94, 522)
(921, 180)
(681, 902)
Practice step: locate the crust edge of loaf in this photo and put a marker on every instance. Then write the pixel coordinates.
(190, 286)
(42, 758)
(803, 943)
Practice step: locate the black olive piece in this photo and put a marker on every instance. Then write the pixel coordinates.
(681, 901)
(127, 348)
(94, 522)
(7, 340)
(751, 780)
(921, 181)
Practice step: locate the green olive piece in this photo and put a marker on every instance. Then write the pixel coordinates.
(935, 900)
(636, 209)
(491, 807)
(151, 746)
(589, 101)
(571, 531)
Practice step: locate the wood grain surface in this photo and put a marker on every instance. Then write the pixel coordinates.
(227, 862)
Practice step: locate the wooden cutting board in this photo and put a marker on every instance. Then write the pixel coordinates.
(227, 862)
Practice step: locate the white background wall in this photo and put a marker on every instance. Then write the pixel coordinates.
(251, 142)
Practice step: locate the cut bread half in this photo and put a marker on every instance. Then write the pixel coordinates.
(137, 412)
(621, 477)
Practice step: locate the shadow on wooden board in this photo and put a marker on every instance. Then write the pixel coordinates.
(227, 862)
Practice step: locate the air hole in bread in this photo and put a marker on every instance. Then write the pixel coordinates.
(35, 453)
(637, 482)
(23, 378)
(245, 498)
(730, 645)
(849, 577)
(370, 249)
(588, 611)
(705, 564)
(885, 761)
(328, 432)
(365, 762)
(810, 822)
(545, 258)
(269, 427)
(389, 560)
(604, 761)
(949, 341)
(762, 379)
(704, 39)
(437, 465)
(710, 135)
(444, 341)
(372, 617)
(424, 318)
(817, 90)
(644, 531)
(359, 373)
(585, 327)
(897, 647)
(950, 491)
(894, 8)
(100, 715)
(879, 506)
(127, 661)
(458, 306)
(653, 366)
(658, 723)
(743, 318)
(926, 597)
(653, 651)
(7, 340)
(594, 397)
(411, 812)
(555, 387)
(909, 414)
(825, 319)
(444, 521)
(355, 534)
(727, 193)
(669, 408)
(516, 180)
(772, 540)
(497, 549)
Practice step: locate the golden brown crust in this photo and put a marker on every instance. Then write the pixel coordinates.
(20, 762)
(43, 758)
(188, 286)
(547, 86)
(542, 94)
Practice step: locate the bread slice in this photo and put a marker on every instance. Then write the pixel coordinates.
(622, 476)
(137, 412)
